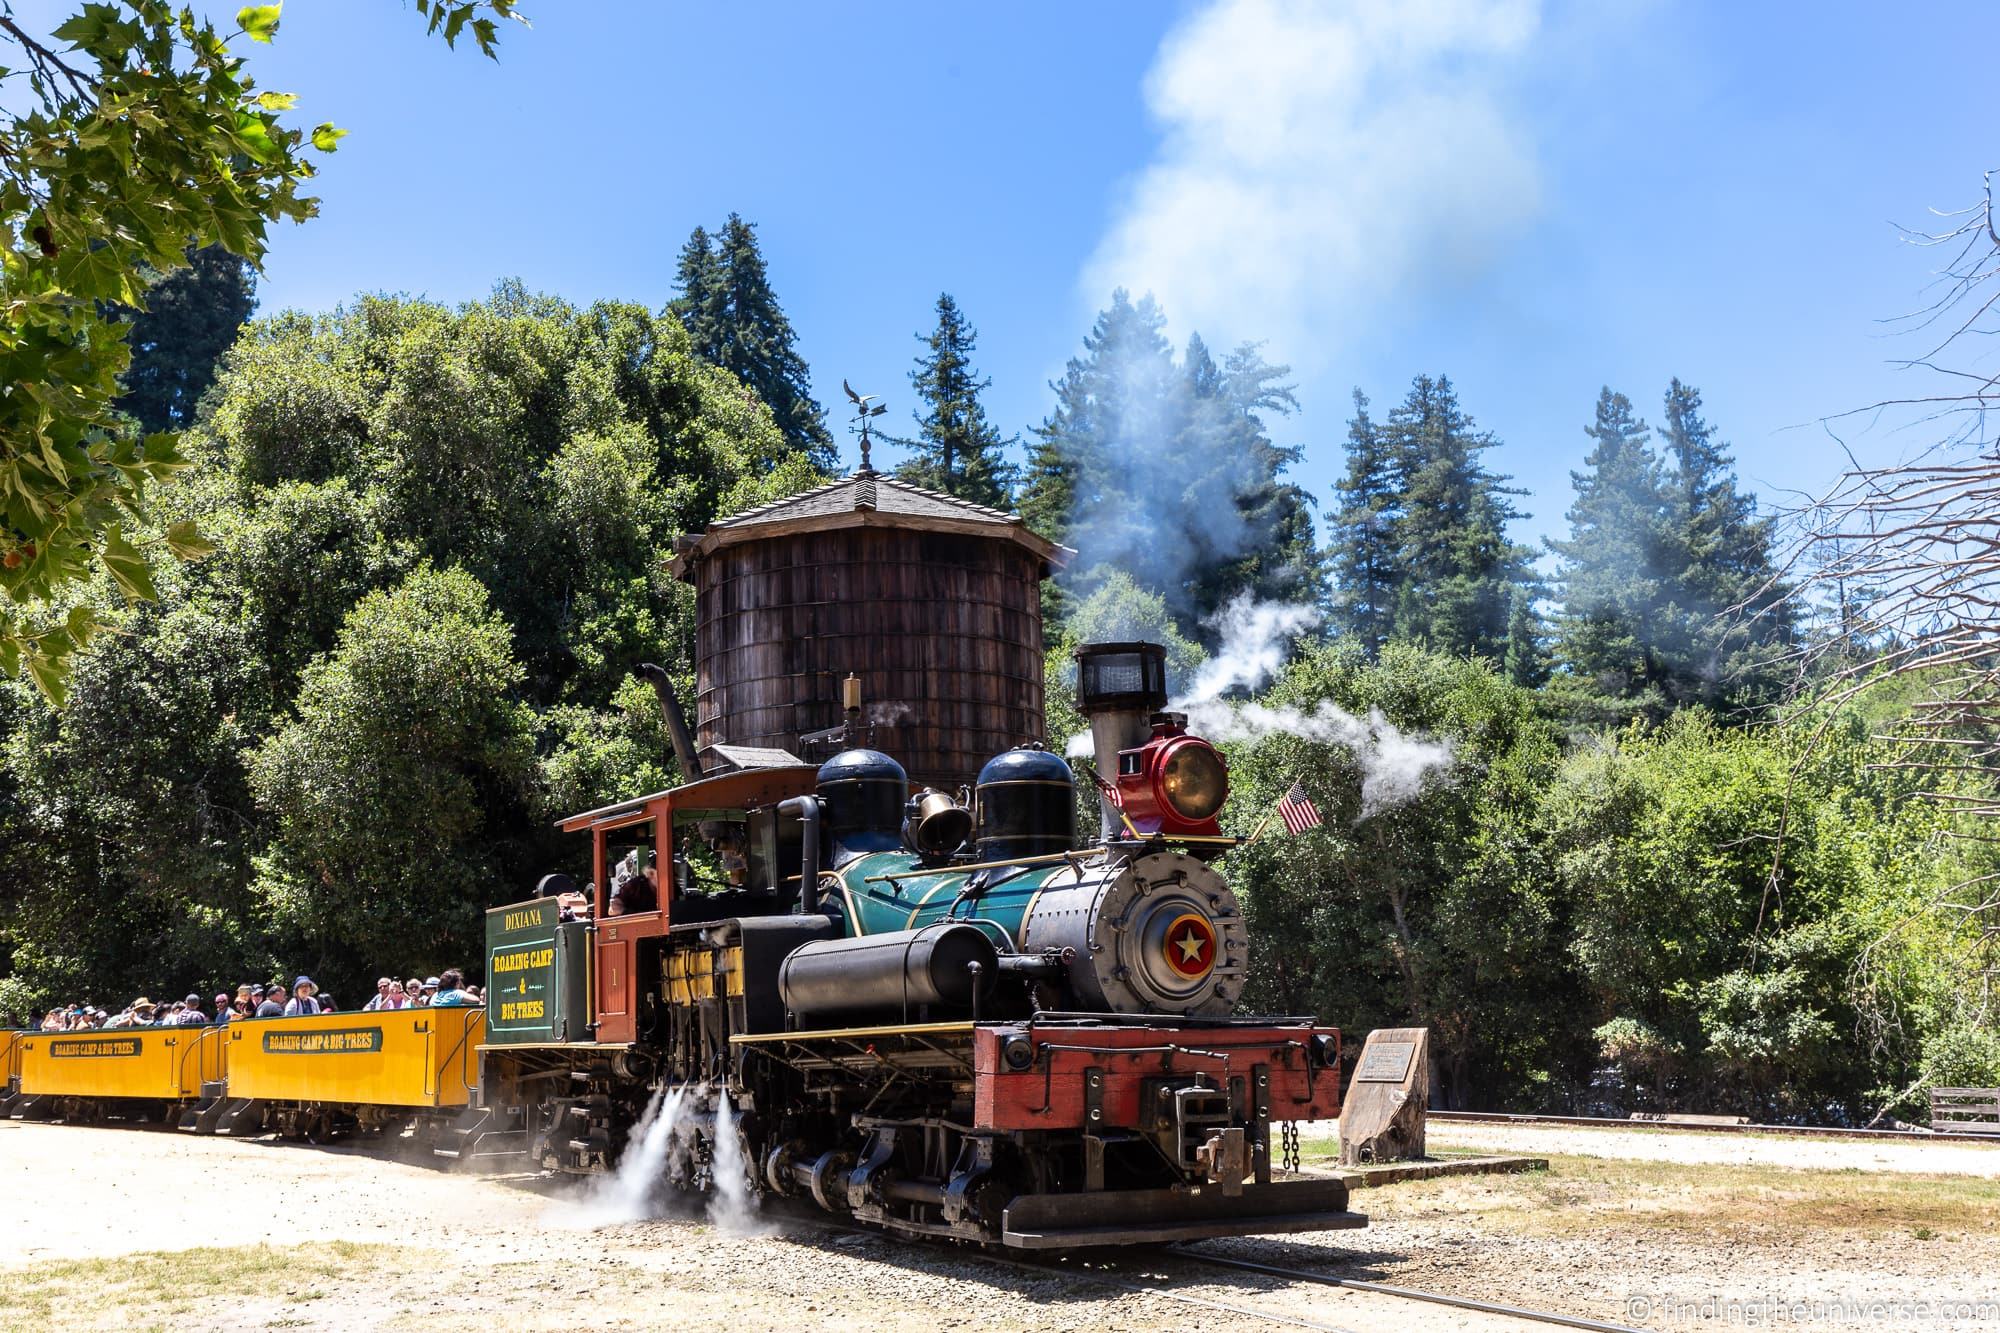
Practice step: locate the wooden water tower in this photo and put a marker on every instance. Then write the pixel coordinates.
(934, 602)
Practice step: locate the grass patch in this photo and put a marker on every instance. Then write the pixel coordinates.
(1582, 1194)
(169, 1289)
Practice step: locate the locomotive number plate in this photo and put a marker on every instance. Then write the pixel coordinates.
(1385, 1062)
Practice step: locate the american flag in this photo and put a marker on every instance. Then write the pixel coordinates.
(1298, 811)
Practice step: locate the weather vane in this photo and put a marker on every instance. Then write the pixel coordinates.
(862, 415)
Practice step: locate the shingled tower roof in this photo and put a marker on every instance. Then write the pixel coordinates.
(862, 499)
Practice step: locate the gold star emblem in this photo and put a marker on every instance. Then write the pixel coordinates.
(1190, 945)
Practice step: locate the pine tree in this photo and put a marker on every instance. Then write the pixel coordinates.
(703, 304)
(1458, 566)
(191, 318)
(1167, 471)
(1363, 540)
(958, 451)
(1253, 536)
(1526, 662)
(1111, 402)
(1726, 618)
(734, 321)
(1612, 572)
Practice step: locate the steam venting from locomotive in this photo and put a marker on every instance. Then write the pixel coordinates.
(1255, 639)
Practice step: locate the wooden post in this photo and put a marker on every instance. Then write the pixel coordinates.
(1382, 1119)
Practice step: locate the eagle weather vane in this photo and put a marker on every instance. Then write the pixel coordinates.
(862, 415)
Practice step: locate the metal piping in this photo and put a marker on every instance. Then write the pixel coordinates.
(807, 809)
(677, 727)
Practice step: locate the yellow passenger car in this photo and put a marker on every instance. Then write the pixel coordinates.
(59, 1072)
(412, 1058)
(8, 1044)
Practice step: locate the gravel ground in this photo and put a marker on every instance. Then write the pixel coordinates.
(470, 1251)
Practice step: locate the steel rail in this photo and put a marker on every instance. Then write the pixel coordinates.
(1408, 1293)
(1800, 1131)
(1101, 1278)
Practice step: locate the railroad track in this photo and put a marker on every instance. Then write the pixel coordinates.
(1124, 1272)
(1800, 1131)
(1404, 1293)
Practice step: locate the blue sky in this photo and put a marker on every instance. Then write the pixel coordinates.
(1535, 200)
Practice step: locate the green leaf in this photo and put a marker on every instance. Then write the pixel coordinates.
(82, 625)
(50, 678)
(327, 138)
(10, 657)
(186, 541)
(258, 22)
(127, 567)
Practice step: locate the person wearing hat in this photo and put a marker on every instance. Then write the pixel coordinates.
(302, 1001)
(270, 1001)
(428, 993)
(189, 1014)
(142, 1013)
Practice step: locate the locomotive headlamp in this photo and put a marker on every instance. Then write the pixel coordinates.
(1193, 780)
(1174, 783)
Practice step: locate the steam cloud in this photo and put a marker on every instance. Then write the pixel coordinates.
(1319, 156)
(1394, 766)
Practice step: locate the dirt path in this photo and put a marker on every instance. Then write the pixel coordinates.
(368, 1243)
(485, 1251)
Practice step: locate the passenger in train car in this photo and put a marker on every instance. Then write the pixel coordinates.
(636, 891)
(451, 991)
(271, 1003)
(190, 1014)
(223, 1012)
(381, 994)
(302, 1002)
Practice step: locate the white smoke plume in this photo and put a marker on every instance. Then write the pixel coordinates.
(1393, 766)
(1255, 637)
(1319, 157)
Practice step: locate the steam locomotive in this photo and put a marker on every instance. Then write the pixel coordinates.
(940, 1018)
(934, 1013)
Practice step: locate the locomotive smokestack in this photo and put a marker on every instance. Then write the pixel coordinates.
(1119, 687)
(677, 727)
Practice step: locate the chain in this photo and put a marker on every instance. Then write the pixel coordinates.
(1288, 1146)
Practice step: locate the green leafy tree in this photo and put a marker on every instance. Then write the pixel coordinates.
(1458, 567)
(956, 449)
(734, 321)
(1362, 547)
(399, 783)
(130, 844)
(133, 134)
(192, 315)
(1724, 883)
(1432, 911)
(1613, 582)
